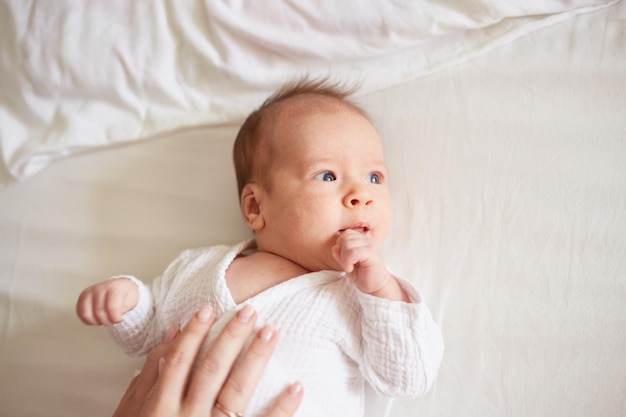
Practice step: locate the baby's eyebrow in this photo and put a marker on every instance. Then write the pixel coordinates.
(318, 163)
(379, 163)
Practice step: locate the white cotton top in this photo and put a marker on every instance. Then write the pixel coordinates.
(332, 337)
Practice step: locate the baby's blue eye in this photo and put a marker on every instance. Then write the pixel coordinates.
(326, 176)
(373, 178)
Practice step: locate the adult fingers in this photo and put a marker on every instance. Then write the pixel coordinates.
(176, 366)
(245, 375)
(287, 403)
(150, 371)
(214, 368)
(130, 404)
(141, 385)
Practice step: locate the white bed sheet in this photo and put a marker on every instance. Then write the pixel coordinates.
(509, 185)
(79, 76)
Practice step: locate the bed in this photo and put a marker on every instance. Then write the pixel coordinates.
(504, 128)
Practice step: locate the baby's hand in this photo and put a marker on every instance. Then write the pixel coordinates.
(358, 256)
(105, 303)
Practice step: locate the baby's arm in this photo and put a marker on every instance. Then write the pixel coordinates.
(401, 345)
(125, 306)
(107, 302)
(358, 256)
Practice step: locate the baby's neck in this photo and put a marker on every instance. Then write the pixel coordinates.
(255, 272)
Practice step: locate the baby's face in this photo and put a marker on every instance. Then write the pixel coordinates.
(327, 175)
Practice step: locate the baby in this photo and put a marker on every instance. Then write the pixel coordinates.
(313, 186)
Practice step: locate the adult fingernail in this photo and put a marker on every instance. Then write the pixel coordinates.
(245, 314)
(295, 389)
(266, 334)
(171, 334)
(204, 314)
(161, 364)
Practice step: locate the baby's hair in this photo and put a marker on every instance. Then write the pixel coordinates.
(246, 154)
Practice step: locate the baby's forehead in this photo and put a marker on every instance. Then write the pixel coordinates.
(306, 104)
(287, 119)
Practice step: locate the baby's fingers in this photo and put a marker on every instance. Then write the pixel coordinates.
(116, 306)
(104, 303)
(85, 308)
(351, 248)
(348, 256)
(100, 308)
(91, 308)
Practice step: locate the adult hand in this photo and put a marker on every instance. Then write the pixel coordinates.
(166, 387)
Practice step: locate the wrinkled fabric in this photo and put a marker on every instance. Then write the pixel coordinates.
(79, 76)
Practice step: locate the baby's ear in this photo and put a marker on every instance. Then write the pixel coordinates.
(251, 198)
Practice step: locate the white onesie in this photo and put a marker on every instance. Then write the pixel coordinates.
(332, 337)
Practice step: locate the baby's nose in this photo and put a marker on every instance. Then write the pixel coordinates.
(358, 197)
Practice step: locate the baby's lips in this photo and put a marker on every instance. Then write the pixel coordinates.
(359, 228)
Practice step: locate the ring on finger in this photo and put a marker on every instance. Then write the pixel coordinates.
(226, 411)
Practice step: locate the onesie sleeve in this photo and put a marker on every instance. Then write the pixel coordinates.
(143, 327)
(136, 325)
(401, 345)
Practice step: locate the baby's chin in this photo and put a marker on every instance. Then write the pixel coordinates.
(313, 258)
(334, 266)
(322, 264)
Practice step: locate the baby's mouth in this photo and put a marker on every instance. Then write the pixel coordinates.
(361, 228)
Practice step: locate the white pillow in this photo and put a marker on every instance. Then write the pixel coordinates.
(80, 75)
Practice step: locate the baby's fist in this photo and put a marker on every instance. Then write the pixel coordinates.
(107, 302)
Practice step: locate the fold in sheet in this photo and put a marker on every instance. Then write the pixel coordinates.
(76, 77)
